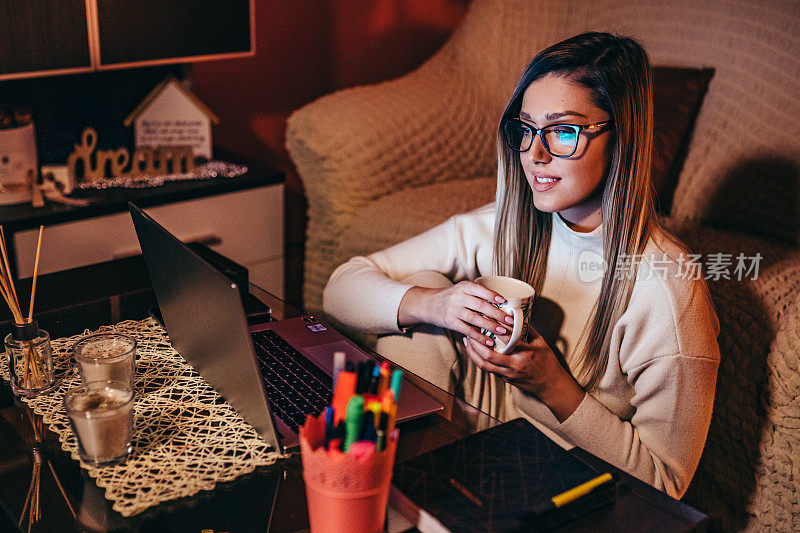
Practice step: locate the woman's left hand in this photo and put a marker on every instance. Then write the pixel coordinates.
(533, 367)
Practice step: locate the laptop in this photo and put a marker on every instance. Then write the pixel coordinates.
(273, 373)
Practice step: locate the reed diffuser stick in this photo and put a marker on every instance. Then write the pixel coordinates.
(5, 297)
(35, 273)
(8, 269)
(5, 279)
(9, 298)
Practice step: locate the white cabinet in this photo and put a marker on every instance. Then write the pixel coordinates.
(245, 226)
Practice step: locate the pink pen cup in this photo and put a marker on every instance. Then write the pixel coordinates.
(346, 493)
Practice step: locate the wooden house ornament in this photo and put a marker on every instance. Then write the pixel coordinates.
(172, 116)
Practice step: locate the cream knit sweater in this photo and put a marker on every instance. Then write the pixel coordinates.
(650, 413)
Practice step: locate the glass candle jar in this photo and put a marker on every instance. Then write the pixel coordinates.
(30, 359)
(101, 414)
(106, 357)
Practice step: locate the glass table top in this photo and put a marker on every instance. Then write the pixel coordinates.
(43, 489)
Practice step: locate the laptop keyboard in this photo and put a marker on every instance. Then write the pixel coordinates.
(295, 386)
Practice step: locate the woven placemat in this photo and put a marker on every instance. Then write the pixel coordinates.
(187, 438)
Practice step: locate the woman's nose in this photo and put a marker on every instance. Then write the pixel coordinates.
(537, 153)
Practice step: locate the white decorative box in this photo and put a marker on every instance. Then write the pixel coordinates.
(18, 164)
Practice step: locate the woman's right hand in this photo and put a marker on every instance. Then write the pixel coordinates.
(464, 307)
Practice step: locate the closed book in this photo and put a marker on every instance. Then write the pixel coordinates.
(500, 479)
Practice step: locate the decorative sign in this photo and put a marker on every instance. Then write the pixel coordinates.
(87, 165)
(166, 132)
(172, 116)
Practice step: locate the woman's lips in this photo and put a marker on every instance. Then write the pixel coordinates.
(543, 182)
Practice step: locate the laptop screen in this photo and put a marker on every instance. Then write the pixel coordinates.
(206, 322)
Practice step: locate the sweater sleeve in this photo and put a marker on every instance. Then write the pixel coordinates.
(365, 293)
(669, 359)
(662, 442)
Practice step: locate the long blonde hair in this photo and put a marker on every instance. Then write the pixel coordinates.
(617, 73)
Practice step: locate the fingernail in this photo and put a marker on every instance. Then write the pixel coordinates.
(499, 299)
(509, 320)
(501, 330)
(490, 343)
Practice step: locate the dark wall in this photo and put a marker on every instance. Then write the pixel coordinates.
(62, 106)
(305, 50)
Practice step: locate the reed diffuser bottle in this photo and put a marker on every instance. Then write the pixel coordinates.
(30, 359)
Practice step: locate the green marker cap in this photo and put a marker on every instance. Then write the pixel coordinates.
(353, 421)
(397, 379)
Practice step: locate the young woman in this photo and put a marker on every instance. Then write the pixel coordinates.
(621, 354)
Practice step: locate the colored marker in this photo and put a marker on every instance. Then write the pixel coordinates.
(362, 449)
(380, 440)
(345, 388)
(370, 398)
(581, 490)
(397, 381)
(383, 423)
(338, 366)
(354, 421)
(572, 494)
(383, 382)
(330, 428)
(374, 380)
(376, 408)
(364, 373)
(390, 408)
(368, 432)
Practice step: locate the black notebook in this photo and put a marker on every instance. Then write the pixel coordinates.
(492, 481)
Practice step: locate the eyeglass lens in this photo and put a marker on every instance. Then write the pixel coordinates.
(559, 140)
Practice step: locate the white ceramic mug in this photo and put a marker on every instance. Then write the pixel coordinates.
(518, 295)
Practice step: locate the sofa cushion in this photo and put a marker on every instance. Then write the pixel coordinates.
(406, 213)
(759, 196)
(677, 96)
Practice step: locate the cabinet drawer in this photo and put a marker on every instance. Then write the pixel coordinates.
(246, 226)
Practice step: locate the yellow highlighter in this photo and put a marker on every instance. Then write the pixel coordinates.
(375, 407)
(573, 494)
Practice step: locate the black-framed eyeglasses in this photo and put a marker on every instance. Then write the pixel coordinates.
(560, 140)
